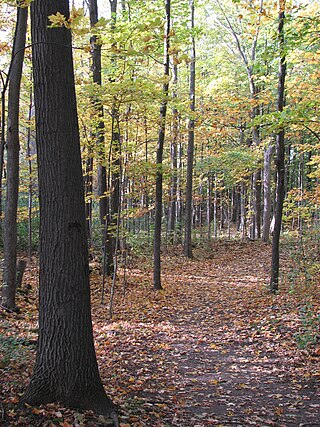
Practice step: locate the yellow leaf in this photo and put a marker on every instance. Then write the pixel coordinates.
(57, 20)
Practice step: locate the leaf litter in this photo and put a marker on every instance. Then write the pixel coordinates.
(213, 348)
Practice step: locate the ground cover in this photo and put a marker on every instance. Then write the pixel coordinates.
(213, 348)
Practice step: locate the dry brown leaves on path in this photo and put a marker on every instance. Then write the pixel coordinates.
(213, 348)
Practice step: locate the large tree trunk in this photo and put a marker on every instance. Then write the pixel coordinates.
(13, 147)
(190, 151)
(159, 174)
(280, 157)
(66, 369)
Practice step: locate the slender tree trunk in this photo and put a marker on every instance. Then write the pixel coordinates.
(114, 166)
(256, 176)
(115, 131)
(115, 176)
(301, 188)
(221, 211)
(243, 211)
(66, 369)
(13, 148)
(209, 206)
(274, 281)
(236, 217)
(101, 167)
(215, 209)
(249, 59)
(258, 203)
(30, 187)
(99, 132)
(88, 182)
(190, 152)
(3, 138)
(159, 173)
(178, 234)
(266, 194)
(229, 201)
(174, 164)
(96, 71)
(146, 195)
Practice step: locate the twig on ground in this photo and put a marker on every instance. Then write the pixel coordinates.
(3, 413)
(6, 309)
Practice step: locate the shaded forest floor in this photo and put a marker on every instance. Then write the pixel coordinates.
(213, 348)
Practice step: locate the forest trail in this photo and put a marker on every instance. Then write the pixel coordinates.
(213, 348)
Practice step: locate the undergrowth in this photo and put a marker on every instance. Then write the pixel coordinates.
(303, 280)
(12, 349)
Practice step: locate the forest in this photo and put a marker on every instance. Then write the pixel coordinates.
(160, 213)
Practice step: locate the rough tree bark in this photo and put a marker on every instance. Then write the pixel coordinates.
(13, 148)
(280, 163)
(66, 368)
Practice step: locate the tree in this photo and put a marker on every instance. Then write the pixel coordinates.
(104, 201)
(115, 150)
(159, 173)
(13, 146)
(99, 132)
(174, 161)
(266, 193)
(280, 190)
(66, 368)
(248, 55)
(191, 125)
